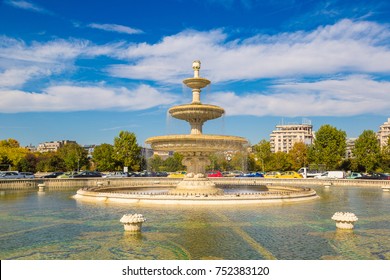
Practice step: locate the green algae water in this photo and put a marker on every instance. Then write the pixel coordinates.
(53, 225)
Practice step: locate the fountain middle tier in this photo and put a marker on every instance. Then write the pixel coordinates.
(201, 111)
(184, 143)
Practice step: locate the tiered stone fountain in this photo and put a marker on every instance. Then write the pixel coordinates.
(196, 147)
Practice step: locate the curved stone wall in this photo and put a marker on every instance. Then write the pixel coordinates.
(153, 181)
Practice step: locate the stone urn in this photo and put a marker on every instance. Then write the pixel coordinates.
(132, 222)
(344, 220)
(41, 187)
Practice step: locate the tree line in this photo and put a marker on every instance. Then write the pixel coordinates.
(328, 150)
(125, 151)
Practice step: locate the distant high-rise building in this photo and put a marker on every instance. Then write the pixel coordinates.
(384, 133)
(349, 148)
(283, 138)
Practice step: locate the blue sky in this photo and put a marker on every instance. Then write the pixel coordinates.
(85, 70)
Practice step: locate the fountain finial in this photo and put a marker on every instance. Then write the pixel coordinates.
(196, 67)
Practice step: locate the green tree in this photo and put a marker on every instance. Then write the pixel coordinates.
(155, 163)
(50, 162)
(174, 163)
(262, 155)
(329, 147)
(5, 162)
(385, 157)
(126, 151)
(28, 163)
(74, 156)
(367, 151)
(280, 161)
(239, 161)
(11, 153)
(103, 157)
(10, 143)
(298, 155)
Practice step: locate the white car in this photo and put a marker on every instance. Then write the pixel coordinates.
(331, 175)
(27, 175)
(117, 174)
(10, 175)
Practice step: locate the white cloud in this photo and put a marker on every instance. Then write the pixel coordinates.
(56, 51)
(65, 98)
(346, 46)
(26, 5)
(20, 62)
(15, 77)
(354, 51)
(115, 28)
(349, 96)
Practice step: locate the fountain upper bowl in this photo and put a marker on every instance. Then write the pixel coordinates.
(196, 83)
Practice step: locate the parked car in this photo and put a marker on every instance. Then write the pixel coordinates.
(116, 174)
(87, 174)
(331, 175)
(10, 175)
(27, 175)
(354, 175)
(309, 173)
(177, 174)
(149, 174)
(375, 176)
(252, 174)
(68, 174)
(215, 173)
(161, 174)
(271, 174)
(289, 174)
(53, 175)
(235, 173)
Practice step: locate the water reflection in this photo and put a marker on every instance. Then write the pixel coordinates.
(55, 226)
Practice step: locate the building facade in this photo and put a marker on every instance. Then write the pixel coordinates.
(283, 138)
(52, 146)
(384, 133)
(349, 148)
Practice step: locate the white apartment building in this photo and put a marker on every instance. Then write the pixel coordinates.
(283, 138)
(384, 133)
(349, 148)
(52, 146)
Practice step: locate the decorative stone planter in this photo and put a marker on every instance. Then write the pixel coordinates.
(41, 187)
(327, 184)
(132, 222)
(344, 220)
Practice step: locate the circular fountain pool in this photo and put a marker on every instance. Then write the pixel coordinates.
(244, 195)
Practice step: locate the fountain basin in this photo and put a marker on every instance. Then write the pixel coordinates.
(274, 195)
